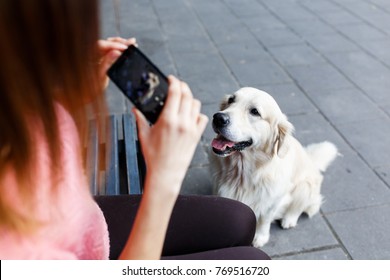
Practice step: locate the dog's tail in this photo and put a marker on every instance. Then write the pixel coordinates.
(322, 154)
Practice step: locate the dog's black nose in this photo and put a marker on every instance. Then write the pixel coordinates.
(221, 119)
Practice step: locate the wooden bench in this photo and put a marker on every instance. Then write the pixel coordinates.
(116, 166)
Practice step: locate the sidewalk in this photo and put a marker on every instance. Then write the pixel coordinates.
(327, 64)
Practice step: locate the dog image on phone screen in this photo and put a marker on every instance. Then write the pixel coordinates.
(255, 159)
(149, 83)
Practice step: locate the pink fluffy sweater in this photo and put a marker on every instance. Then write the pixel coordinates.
(72, 225)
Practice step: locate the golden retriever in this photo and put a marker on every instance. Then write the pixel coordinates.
(257, 161)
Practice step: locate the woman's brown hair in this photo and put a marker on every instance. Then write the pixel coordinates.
(48, 54)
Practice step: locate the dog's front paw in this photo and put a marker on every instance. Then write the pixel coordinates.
(289, 222)
(260, 240)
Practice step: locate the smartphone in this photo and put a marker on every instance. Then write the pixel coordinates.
(140, 81)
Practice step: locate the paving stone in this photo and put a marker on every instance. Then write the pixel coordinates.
(254, 73)
(209, 110)
(320, 6)
(384, 173)
(350, 183)
(236, 33)
(368, 139)
(359, 7)
(383, 4)
(244, 52)
(369, 12)
(212, 87)
(346, 105)
(177, 28)
(177, 19)
(326, 254)
(309, 27)
(171, 5)
(124, 10)
(296, 55)
(246, 8)
(382, 22)
(214, 14)
(307, 235)
(292, 13)
(377, 91)
(277, 4)
(330, 43)
(290, 98)
(361, 32)
(207, 8)
(386, 108)
(197, 181)
(379, 49)
(199, 64)
(265, 21)
(135, 10)
(107, 20)
(277, 37)
(340, 18)
(364, 232)
(313, 127)
(189, 43)
(200, 157)
(364, 70)
(318, 76)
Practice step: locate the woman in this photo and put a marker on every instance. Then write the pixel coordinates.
(52, 66)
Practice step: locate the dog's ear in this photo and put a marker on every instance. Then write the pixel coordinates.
(284, 130)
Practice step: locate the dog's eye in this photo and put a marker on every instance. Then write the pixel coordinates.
(231, 99)
(254, 112)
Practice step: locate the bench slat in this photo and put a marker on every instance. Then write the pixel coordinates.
(132, 168)
(111, 155)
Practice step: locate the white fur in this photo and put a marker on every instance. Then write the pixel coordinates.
(275, 176)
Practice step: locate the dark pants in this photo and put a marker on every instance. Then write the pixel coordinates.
(201, 227)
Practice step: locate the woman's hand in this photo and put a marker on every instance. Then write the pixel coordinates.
(169, 145)
(109, 51)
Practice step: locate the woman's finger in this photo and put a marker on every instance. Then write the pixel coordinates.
(202, 122)
(195, 109)
(142, 123)
(185, 89)
(105, 46)
(185, 108)
(174, 97)
(128, 42)
(132, 41)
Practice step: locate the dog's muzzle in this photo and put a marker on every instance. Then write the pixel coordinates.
(222, 146)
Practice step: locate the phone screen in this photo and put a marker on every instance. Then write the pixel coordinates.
(141, 81)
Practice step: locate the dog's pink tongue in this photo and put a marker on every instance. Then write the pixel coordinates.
(221, 143)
